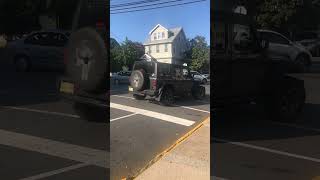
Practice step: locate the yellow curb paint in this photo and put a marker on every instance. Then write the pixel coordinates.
(174, 145)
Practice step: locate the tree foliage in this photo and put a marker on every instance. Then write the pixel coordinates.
(199, 54)
(125, 54)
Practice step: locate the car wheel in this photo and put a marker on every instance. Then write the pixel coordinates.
(138, 97)
(287, 103)
(22, 64)
(167, 97)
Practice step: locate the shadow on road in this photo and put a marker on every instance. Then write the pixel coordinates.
(17, 89)
(250, 123)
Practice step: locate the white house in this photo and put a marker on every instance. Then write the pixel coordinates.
(166, 45)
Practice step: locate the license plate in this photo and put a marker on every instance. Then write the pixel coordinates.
(67, 87)
(130, 89)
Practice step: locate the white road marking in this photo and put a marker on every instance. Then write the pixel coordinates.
(186, 107)
(269, 150)
(55, 148)
(153, 114)
(41, 111)
(200, 110)
(55, 172)
(122, 117)
(296, 126)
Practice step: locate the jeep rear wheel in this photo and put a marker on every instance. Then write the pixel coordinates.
(86, 59)
(167, 97)
(199, 93)
(138, 80)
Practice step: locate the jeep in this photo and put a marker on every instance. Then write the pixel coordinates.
(162, 82)
(243, 72)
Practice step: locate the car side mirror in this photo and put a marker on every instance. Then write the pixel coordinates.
(264, 44)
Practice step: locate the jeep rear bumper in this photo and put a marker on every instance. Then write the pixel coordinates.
(85, 100)
(145, 93)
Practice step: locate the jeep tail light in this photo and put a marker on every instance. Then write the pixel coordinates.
(154, 83)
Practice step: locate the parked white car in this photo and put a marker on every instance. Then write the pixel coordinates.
(310, 40)
(281, 47)
(121, 77)
(199, 77)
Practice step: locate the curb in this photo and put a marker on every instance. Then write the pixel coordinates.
(170, 148)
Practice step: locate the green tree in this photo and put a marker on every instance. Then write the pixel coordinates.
(199, 54)
(131, 51)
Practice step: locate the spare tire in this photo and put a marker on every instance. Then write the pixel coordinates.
(86, 60)
(138, 80)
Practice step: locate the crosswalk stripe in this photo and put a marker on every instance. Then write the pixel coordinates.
(55, 148)
(153, 114)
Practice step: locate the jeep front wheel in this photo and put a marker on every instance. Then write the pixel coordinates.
(167, 97)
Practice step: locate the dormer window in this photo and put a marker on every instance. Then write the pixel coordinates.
(155, 36)
(163, 36)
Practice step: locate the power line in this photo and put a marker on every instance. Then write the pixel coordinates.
(158, 7)
(133, 3)
(154, 4)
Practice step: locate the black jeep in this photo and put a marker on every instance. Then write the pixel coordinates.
(243, 73)
(86, 81)
(162, 82)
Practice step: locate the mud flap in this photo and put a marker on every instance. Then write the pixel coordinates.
(160, 95)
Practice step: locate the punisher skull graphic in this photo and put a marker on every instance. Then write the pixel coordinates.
(84, 58)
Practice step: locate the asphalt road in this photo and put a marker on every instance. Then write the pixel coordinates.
(140, 130)
(247, 145)
(41, 137)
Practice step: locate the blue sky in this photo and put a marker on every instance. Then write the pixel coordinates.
(194, 18)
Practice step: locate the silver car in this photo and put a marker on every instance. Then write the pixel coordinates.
(281, 47)
(43, 49)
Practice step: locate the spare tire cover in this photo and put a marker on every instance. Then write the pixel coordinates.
(137, 80)
(86, 61)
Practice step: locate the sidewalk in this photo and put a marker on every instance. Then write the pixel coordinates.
(189, 160)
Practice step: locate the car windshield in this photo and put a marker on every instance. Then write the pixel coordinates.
(304, 36)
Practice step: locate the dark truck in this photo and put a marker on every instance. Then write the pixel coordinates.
(163, 82)
(86, 81)
(243, 73)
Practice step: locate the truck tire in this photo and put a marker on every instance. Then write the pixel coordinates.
(199, 92)
(138, 80)
(286, 103)
(167, 97)
(86, 59)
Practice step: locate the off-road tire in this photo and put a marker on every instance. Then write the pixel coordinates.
(199, 93)
(86, 60)
(167, 97)
(286, 103)
(138, 80)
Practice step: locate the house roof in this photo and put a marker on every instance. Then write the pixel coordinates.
(174, 32)
(148, 57)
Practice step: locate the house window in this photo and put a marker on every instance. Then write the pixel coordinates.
(155, 36)
(163, 36)
(157, 47)
(166, 48)
(159, 35)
